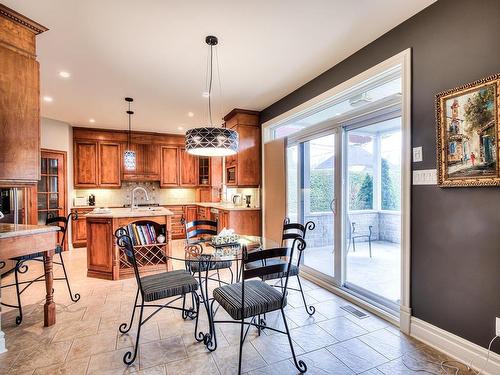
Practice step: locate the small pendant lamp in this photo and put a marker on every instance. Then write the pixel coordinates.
(210, 140)
(129, 155)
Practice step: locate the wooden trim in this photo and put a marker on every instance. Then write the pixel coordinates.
(22, 20)
(237, 111)
(64, 154)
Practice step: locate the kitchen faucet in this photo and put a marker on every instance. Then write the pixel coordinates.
(132, 202)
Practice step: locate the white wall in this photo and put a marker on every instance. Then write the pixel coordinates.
(58, 135)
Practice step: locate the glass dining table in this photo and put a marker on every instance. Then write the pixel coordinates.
(208, 254)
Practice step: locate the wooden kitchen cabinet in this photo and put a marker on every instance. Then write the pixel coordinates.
(79, 227)
(147, 160)
(169, 173)
(191, 213)
(188, 169)
(20, 99)
(243, 169)
(178, 229)
(109, 164)
(245, 222)
(96, 164)
(85, 161)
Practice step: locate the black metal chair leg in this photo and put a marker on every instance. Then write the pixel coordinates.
(353, 246)
(19, 318)
(241, 345)
(123, 327)
(370, 246)
(218, 277)
(232, 276)
(76, 297)
(309, 309)
(129, 357)
(299, 364)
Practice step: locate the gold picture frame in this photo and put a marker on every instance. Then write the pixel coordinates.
(468, 134)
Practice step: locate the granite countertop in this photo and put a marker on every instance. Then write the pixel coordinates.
(137, 212)
(220, 206)
(15, 230)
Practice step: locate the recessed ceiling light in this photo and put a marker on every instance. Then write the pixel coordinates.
(338, 114)
(205, 94)
(48, 99)
(64, 74)
(91, 120)
(180, 128)
(190, 114)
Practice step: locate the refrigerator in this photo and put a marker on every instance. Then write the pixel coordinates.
(13, 206)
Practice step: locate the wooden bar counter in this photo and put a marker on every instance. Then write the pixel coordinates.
(20, 239)
(105, 260)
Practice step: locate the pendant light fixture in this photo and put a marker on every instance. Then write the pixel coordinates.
(129, 155)
(210, 140)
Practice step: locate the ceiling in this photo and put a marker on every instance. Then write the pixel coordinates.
(154, 51)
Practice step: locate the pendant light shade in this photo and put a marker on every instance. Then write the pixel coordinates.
(210, 140)
(129, 160)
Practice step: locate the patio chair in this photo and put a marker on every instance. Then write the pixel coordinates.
(353, 235)
(20, 266)
(155, 287)
(290, 231)
(253, 298)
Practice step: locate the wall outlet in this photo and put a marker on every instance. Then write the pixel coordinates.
(497, 327)
(425, 177)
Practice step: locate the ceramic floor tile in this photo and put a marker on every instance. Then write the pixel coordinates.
(323, 362)
(149, 332)
(227, 359)
(275, 348)
(321, 295)
(330, 309)
(86, 346)
(312, 337)
(71, 330)
(280, 368)
(342, 328)
(108, 363)
(356, 355)
(301, 318)
(201, 364)
(70, 367)
(388, 344)
(41, 356)
(163, 351)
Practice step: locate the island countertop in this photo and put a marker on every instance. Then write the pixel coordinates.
(15, 230)
(127, 212)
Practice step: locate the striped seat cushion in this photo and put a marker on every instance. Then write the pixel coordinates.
(294, 270)
(167, 284)
(260, 298)
(196, 266)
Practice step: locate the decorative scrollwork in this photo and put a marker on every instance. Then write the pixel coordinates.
(193, 251)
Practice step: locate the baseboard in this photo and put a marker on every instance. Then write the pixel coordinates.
(455, 346)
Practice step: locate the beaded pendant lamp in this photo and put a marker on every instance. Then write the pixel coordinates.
(211, 140)
(129, 160)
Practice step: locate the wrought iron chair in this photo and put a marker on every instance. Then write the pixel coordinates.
(155, 287)
(353, 235)
(199, 233)
(253, 298)
(291, 231)
(21, 267)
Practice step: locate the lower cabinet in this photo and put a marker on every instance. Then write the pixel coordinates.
(178, 230)
(79, 227)
(245, 222)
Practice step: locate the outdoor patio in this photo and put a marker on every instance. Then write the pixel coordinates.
(379, 274)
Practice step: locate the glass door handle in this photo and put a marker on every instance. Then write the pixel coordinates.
(332, 205)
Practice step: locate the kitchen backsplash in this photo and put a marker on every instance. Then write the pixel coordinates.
(119, 197)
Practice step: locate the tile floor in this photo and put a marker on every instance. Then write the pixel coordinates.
(85, 339)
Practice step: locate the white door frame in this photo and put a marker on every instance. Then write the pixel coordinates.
(315, 104)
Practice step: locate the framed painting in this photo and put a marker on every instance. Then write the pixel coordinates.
(468, 134)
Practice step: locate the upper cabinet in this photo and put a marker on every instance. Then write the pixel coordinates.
(20, 98)
(243, 169)
(169, 174)
(96, 164)
(188, 169)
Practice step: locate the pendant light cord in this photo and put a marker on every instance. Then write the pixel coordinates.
(210, 86)
(129, 126)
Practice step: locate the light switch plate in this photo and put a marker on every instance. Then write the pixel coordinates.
(417, 154)
(425, 177)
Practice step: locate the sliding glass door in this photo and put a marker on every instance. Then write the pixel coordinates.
(312, 179)
(372, 212)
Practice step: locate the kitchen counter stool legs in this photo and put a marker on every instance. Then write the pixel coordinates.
(49, 308)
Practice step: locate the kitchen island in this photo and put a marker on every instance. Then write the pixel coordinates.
(105, 260)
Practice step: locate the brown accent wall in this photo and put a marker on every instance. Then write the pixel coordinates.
(455, 240)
